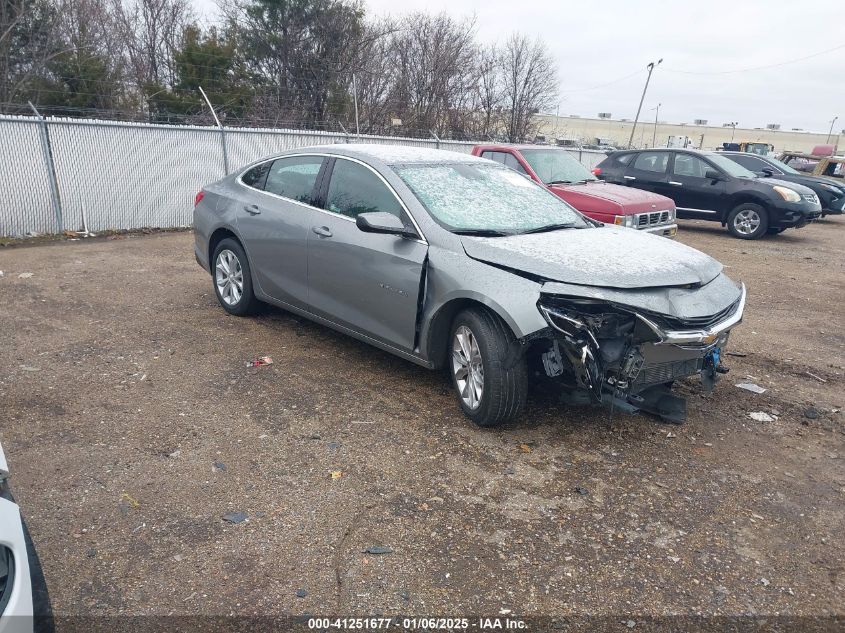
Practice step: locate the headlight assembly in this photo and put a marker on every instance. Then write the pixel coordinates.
(790, 195)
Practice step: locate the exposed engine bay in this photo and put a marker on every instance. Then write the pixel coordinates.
(628, 358)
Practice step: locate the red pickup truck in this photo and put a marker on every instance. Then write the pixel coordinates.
(563, 175)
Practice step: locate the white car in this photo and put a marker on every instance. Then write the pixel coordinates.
(16, 614)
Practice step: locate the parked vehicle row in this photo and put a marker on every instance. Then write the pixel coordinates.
(711, 186)
(453, 261)
(831, 193)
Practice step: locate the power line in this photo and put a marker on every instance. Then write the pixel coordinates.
(753, 68)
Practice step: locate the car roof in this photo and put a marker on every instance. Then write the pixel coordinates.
(392, 154)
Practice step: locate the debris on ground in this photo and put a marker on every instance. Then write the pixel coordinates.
(582, 491)
(30, 368)
(761, 416)
(525, 448)
(750, 386)
(129, 500)
(25, 275)
(218, 466)
(175, 454)
(812, 413)
(737, 354)
(301, 593)
(336, 474)
(235, 517)
(378, 549)
(261, 361)
(812, 375)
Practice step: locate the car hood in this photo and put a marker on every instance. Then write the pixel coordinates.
(606, 257)
(628, 197)
(805, 179)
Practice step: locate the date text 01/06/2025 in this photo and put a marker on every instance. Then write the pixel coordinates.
(421, 623)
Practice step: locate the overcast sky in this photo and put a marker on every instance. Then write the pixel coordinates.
(596, 43)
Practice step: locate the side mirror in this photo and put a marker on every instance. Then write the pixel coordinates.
(768, 172)
(713, 174)
(384, 223)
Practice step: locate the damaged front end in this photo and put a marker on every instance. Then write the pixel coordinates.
(628, 357)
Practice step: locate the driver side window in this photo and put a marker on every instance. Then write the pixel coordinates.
(355, 189)
(690, 166)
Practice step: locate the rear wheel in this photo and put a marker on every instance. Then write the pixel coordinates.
(489, 391)
(233, 279)
(748, 221)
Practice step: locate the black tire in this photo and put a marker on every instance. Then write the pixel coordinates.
(505, 388)
(247, 303)
(755, 210)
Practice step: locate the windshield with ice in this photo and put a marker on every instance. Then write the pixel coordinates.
(491, 199)
(555, 165)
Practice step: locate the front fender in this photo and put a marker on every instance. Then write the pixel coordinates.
(454, 280)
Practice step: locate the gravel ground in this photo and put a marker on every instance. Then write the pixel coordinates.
(133, 426)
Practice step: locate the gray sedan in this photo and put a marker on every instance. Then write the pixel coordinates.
(456, 262)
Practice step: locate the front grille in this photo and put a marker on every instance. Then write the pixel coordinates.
(652, 218)
(810, 197)
(664, 372)
(697, 323)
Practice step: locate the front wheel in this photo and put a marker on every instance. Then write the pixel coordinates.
(490, 389)
(233, 279)
(748, 221)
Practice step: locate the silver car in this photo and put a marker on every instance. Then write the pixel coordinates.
(457, 262)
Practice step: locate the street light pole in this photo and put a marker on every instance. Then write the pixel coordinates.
(830, 131)
(654, 134)
(650, 67)
(733, 129)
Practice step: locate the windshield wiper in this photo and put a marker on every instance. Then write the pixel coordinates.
(549, 227)
(481, 232)
(559, 182)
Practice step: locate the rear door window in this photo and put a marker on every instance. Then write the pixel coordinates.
(294, 177)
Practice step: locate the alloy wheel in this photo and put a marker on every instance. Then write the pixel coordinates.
(747, 221)
(468, 367)
(229, 277)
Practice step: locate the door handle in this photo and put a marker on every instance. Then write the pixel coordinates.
(630, 177)
(252, 209)
(677, 184)
(322, 231)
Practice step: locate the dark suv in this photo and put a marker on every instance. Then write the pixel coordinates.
(709, 186)
(831, 193)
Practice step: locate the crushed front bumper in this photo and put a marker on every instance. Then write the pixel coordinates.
(17, 614)
(635, 372)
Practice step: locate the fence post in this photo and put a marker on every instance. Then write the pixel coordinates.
(222, 133)
(51, 168)
(436, 138)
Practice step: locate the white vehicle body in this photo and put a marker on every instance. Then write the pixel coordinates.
(17, 614)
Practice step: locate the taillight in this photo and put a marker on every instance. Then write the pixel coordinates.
(199, 197)
(596, 171)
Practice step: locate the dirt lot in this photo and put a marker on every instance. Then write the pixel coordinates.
(132, 426)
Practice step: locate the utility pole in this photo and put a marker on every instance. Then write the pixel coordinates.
(650, 67)
(355, 98)
(830, 131)
(654, 134)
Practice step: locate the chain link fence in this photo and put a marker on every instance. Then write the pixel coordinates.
(69, 174)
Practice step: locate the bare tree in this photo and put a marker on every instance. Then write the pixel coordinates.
(150, 31)
(529, 83)
(26, 46)
(434, 60)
